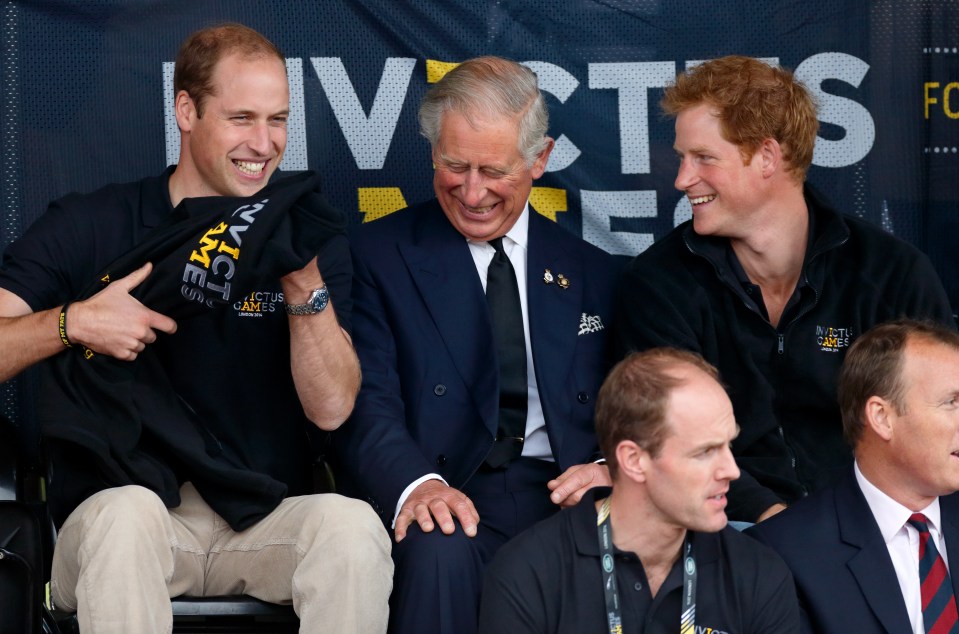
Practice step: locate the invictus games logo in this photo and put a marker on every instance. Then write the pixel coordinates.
(207, 275)
(832, 338)
(259, 303)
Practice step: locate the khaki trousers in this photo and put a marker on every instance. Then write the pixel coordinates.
(121, 555)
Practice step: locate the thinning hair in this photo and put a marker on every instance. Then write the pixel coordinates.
(489, 87)
(202, 50)
(874, 366)
(632, 403)
(754, 102)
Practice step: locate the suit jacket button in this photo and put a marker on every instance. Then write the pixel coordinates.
(582, 397)
(439, 389)
(440, 460)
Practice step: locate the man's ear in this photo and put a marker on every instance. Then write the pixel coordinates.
(539, 165)
(880, 417)
(633, 460)
(770, 155)
(185, 110)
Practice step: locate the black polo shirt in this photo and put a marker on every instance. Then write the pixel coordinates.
(548, 579)
(234, 373)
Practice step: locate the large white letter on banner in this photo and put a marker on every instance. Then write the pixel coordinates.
(560, 83)
(601, 207)
(846, 113)
(633, 80)
(367, 137)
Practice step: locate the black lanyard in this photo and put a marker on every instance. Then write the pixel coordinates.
(687, 619)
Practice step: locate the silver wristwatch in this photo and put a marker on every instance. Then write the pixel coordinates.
(317, 302)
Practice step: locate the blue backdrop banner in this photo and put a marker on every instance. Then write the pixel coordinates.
(87, 96)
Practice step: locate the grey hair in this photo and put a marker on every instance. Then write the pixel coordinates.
(492, 87)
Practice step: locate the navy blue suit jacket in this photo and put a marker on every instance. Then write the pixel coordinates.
(844, 575)
(421, 327)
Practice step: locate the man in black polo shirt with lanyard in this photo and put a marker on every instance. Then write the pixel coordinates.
(665, 425)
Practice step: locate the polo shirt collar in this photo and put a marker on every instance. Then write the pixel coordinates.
(706, 546)
(155, 203)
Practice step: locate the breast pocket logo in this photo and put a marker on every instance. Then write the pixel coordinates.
(833, 338)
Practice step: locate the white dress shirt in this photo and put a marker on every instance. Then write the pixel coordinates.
(536, 443)
(902, 541)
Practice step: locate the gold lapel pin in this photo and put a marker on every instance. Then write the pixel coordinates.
(562, 281)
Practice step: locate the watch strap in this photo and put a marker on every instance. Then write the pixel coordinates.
(319, 299)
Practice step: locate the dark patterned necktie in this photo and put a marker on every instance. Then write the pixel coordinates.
(938, 601)
(502, 295)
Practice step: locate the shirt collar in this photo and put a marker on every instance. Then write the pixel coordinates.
(155, 205)
(890, 515)
(519, 232)
(706, 545)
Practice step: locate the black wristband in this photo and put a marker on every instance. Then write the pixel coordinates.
(62, 326)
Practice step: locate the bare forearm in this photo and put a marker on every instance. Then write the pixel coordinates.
(324, 366)
(325, 369)
(26, 340)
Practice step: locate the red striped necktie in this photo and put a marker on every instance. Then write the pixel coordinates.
(938, 601)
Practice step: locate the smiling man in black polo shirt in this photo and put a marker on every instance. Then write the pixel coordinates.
(213, 498)
(665, 425)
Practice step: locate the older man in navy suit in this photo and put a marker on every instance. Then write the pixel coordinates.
(874, 553)
(481, 330)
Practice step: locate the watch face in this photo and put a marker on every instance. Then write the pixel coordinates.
(319, 299)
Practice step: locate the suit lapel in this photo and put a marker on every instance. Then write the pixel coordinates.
(442, 268)
(554, 316)
(871, 565)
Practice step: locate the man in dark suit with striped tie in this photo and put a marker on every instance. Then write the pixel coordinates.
(874, 552)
